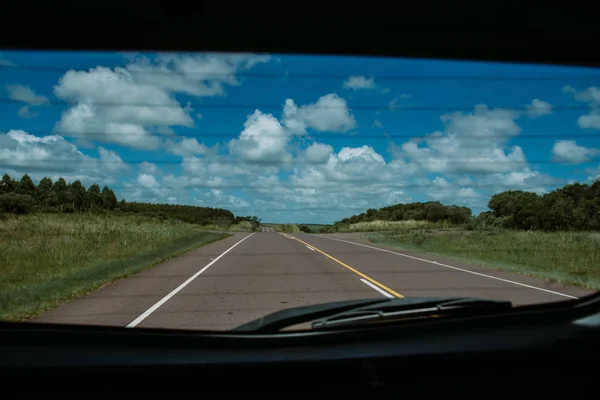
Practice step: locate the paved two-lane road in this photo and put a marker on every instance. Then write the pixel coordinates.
(246, 276)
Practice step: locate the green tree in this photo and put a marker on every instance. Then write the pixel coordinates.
(76, 195)
(7, 184)
(108, 198)
(61, 189)
(26, 186)
(44, 193)
(94, 197)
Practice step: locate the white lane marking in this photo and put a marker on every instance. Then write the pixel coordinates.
(450, 266)
(310, 248)
(380, 290)
(162, 301)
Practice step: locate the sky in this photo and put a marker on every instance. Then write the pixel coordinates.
(290, 138)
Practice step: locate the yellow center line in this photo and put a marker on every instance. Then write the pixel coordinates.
(357, 272)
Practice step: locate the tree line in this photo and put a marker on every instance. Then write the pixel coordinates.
(24, 196)
(432, 211)
(574, 206)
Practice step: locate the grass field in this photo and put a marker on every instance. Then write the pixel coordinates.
(48, 259)
(568, 257)
(315, 228)
(243, 226)
(377, 226)
(290, 228)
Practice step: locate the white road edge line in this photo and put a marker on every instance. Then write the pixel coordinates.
(162, 301)
(310, 248)
(380, 290)
(450, 266)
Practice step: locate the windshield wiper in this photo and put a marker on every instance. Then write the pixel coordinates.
(369, 311)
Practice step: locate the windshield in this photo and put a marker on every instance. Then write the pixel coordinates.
(203, 191)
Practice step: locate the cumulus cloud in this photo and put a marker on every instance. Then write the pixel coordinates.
(591, 96)
(318, 153)
(569, 152)
(263, 139)
(330, 113)
(443, 190)
(526, 179)
(216, 198)
(53, 156)
(125, 105)
(359, 82)
(329, 183)
(186, 147)
(470, 143)
(147, 168)
(112, 107)
(538, 107)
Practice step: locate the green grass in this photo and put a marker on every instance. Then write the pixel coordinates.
(568, 257)
(48, 259)
(315, 228)
(243, 226)
(377, 226)
(290, 228)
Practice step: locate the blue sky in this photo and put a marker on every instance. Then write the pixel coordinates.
(297, 138)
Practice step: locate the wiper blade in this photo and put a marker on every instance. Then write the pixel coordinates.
(427, 308)
(359, 311)
(297, 315)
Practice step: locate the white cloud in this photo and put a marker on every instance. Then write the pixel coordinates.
(470, 143)
(444, 191)
(112, 107)
(594, 173)
(186, 147)
(377, 124)
(359, 82)
(54, 157)
(146, 188)
(196, 75)
(26, 95)
(591, 96)
(216, 198)
(263, 139)
(538, 107)
(526, 179)
(329, 114)
(318, 153)
(147, 181)
(569, 152)
(111, 160)
(147, 168)
(125, 105)
(165, 130)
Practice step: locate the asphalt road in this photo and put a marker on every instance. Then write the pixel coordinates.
(246, 276)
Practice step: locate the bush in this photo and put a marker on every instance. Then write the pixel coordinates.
(304, 228)
(16, 203)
